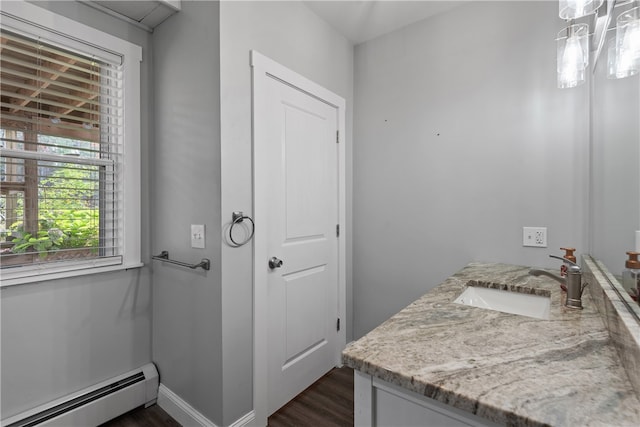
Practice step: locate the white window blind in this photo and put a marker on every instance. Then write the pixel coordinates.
(61, 146)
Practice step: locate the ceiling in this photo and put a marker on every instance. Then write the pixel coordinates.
(364, 20)
(358, 21)
(146, 14)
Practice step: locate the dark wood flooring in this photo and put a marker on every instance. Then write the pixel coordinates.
(153, 416)
(326, 403)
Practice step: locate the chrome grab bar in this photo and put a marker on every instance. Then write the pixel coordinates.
(164, 256)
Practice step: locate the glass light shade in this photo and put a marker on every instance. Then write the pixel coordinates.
(628, 41)
(572, 9)
(618, 67)
(572, 55)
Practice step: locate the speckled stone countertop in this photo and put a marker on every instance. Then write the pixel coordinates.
(509, 369)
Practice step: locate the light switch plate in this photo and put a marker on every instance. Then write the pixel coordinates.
(197, 236)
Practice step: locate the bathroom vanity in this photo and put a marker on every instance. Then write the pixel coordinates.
(438, 362)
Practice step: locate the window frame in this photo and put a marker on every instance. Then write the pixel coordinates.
(31, 20)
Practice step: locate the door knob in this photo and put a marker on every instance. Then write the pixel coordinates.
(275, 263)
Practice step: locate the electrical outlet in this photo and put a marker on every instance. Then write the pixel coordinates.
(197, 236)
(534, 236)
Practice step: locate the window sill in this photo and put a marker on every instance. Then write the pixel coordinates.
(47, 274)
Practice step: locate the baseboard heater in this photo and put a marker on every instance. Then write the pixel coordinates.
(96, 404)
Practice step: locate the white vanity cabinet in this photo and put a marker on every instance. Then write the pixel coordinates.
(379, 403)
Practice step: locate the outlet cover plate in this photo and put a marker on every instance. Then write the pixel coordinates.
(534, 236)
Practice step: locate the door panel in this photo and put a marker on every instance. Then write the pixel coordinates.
(303, 213)
(307, 164)
(305, 319)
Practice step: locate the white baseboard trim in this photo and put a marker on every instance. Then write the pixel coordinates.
(180, 410)
(187, 415)
(245, 420)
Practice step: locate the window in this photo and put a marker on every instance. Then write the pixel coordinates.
(69, 170)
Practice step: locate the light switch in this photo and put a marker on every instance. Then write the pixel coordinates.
(197, 236)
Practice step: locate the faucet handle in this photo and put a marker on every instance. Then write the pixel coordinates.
(568, 254)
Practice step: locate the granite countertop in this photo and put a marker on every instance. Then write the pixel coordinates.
(509, 369)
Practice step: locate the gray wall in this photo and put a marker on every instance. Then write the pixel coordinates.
(461, 138)
(511, 151)
(289, 33)
(61, 336)
(615, 166)
(187, 304)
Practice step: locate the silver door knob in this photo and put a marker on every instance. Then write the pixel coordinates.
(275, 263)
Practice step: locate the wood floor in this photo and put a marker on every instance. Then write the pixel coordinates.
(153, 416)
(326, 403)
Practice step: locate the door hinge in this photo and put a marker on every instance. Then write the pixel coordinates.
(337, 230)
(338, 325)
(337, 137)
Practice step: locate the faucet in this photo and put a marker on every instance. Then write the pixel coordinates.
(572, 283)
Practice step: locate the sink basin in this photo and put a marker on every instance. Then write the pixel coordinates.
(508, 302)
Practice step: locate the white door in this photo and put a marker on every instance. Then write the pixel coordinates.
(299, 199)
(302, 196)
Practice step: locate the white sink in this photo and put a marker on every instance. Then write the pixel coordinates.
(508, 302)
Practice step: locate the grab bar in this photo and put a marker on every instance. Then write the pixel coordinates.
(164, 256)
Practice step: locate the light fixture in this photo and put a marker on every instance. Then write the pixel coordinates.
(55, 120)
(627, 48)
(618, 67)
(572, 55)
(573, 42)
(572, 9)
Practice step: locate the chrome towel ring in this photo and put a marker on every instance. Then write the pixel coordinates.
(237, 218)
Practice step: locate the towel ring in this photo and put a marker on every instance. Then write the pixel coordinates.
(238, 217)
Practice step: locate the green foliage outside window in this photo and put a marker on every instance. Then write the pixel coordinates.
(68, 216)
